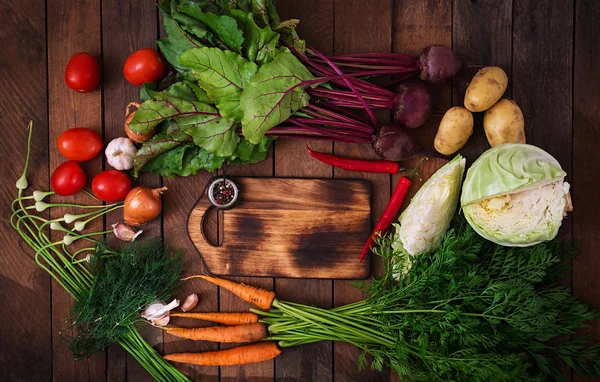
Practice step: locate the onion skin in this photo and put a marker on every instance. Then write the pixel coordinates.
(138, 138)
(414, 104)
(142, 204)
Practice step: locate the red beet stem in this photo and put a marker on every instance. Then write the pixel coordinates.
(349, 84)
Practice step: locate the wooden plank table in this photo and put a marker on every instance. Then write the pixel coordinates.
(548, 49)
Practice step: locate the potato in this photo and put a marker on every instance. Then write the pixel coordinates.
(504, 123)
(486, 88)
(455, 129)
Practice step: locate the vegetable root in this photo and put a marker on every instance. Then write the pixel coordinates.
(239, 333)
(240, 355)
(221, 317)
(259, 297)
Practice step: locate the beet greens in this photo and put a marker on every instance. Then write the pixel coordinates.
(243, 75)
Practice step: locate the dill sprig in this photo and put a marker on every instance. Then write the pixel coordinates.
(471, 310)
(126, 281)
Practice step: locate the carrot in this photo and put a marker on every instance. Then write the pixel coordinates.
(260, 297)
(239, 333)
(221, 317)
(239, 355)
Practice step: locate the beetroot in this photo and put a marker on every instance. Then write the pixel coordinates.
(438, 64)
(393, 143)
(413, 105)
(435, 65)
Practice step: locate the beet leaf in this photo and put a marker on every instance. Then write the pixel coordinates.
(260, 44)
(224, 28)
(273, 95)
(222, 74)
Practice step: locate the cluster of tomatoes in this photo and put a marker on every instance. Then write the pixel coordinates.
(81, 144)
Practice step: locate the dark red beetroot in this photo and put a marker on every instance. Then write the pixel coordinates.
(438, 64)
(413, 105)
(393, 143)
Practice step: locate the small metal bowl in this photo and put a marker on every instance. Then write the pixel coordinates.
(216, 183)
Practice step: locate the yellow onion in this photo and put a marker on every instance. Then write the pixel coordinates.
(142, 204)
(139, 138)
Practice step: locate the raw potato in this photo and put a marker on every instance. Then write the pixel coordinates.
(486, 88)
(455, 129)
(504, 123)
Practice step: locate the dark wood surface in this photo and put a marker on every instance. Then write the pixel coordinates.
(286, 227)
(549, 50)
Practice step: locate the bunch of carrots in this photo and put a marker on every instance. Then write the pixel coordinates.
(238, 328)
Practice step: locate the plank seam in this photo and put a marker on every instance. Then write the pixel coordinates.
(48, 161)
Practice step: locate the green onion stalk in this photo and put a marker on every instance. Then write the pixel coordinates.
(68, 268)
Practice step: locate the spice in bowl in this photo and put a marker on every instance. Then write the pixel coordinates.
(222, 193)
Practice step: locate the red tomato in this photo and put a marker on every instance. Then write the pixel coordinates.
(144, 65)
(68, 179)
(82, 73)
(79, 144)
(111, 185)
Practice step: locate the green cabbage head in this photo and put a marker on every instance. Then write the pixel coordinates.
(515, 195)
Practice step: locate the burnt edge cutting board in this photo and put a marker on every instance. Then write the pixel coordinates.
(282, 227)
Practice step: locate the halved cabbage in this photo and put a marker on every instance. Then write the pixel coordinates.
(514, 195)
(424, 222)
(427, 218)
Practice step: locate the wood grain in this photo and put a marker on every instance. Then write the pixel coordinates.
(481, 36)
(135, 23)
(542, 59)
(416, 25)
(298, 228)
(361, 26)
(586, 158)
(228, 302)
(24, 288)
(71, 31)
(312, 362)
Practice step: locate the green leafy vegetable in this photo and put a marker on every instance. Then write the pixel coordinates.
(260, 44)
(158, 145)
(223, 27)
(177, 42)
(273, 95)
(222, 74)
(164, 106)
(469, 311)
(184, 161)
(216, 134)
(246, 152)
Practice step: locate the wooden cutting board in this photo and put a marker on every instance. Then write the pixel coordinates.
(307, 228)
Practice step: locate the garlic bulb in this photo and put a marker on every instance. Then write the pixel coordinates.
(119, 153)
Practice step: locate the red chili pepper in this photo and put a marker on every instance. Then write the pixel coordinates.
(391, 210)
(350, 164)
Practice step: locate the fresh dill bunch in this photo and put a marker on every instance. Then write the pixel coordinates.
(126, 281)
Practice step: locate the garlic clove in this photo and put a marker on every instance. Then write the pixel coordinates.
(163, 321)
(158, 310)
(190, 302)
(124, 232)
